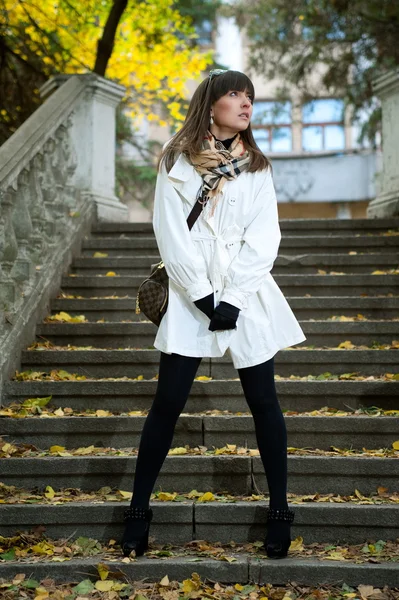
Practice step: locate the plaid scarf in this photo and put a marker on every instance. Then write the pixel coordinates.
(215, 164)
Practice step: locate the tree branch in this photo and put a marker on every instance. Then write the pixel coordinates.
(106, 43)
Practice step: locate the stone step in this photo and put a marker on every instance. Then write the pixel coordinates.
(297, 226)
(244, 568)
(135, 334)
(291, 285)
(293, 244)
(317, 307)
(180, 522)
(130, 363)
(210, 395)
(307, 263)
(202, 430)
(233, 474)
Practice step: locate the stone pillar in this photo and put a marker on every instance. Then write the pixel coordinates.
(386, 204)
(94, 137)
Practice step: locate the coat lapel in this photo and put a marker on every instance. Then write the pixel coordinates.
(185, 179)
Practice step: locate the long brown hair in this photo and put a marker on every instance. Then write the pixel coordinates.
(188, 140)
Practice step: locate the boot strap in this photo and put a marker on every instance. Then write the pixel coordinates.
(137, 512)
(280, 514)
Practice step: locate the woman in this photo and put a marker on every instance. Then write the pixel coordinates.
(221, 293)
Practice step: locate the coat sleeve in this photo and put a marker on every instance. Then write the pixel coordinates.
(247, 270)
(184, 265)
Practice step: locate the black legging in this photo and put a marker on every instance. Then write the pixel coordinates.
(176, 376)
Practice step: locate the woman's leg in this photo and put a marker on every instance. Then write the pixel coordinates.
(176, 376)
(271, 434)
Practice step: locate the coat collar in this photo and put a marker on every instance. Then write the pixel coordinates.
(182, 170)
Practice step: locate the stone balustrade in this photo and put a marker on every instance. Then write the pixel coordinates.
(57, 176)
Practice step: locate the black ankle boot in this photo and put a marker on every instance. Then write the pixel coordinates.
(132, 540)
(278, 548)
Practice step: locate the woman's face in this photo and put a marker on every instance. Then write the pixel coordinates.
(232, 112)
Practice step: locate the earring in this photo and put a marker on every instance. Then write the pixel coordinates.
(211, 120)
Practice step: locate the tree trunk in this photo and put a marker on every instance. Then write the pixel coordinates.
(106, 43)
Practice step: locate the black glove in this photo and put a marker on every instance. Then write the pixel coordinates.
(224, 317)
(206, 305)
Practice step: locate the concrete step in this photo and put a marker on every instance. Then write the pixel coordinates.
(317, 307)
(296, 226)
(181, 522)
(233, 474)
(307, 263)
(291, 285)
(135, 334)
(241, 567)
(121, 363)
(210, 395)
(201, 430)
(292, 244)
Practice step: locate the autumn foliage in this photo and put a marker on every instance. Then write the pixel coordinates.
(150, 48)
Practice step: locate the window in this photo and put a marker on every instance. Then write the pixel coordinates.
(271, 125)
(204, 32)
(323, 125)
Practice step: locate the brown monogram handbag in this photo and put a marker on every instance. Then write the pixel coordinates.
(153, 293)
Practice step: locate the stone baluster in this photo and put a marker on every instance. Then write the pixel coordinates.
(23, 268)
(42, 222)
(8, 250)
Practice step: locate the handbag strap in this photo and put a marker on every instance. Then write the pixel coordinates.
(195, 213)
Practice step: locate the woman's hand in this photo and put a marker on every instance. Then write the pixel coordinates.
(206, 305)
(224, 317)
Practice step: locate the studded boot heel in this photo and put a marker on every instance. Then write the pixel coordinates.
(135, 536)
(274, 548)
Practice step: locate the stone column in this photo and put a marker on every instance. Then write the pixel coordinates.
(386, 204)
(94, 137)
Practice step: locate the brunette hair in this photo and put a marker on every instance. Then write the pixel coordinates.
(188, 140)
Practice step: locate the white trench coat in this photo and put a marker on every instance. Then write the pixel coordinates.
(230, 254)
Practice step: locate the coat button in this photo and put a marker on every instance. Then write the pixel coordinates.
(232, 200)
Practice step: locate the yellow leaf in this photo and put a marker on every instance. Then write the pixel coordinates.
(395, 445)
(189, 586)
(49, 493)
(164, 581)
(347, 345)
(207, 497)
(352, 252)
(178, 451)
(57, 449)
(335, 556)
(203, 378)
(239, 587)
(359, 495)
(43, 548)
(110, 274)
(378, 273)
(59, 412)
(297, 544)
(103, 571)
(126, 495)
(166, 496)
(104, 586)
(84, 451)
(102, 413)
(100, 255)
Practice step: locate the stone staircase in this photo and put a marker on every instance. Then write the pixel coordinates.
(325, 269)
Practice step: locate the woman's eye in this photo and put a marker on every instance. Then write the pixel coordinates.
(248, 96)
